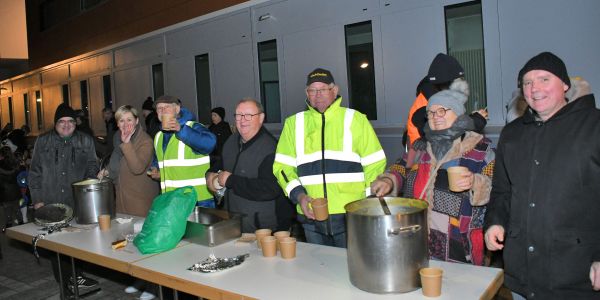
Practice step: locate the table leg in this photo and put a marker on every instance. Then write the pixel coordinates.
(60, 277)
(175, 295)
(74, 283)
(160, 293)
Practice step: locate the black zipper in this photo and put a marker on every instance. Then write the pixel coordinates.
(328, 222)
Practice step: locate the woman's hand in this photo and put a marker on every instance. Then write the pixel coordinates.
(103, 173)
(381, 186)
(127, 132)
(466, 181)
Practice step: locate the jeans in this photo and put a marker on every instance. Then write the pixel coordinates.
(331, 232)
(516, 296)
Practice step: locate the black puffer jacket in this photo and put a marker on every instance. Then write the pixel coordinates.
(59, 162)
(546, 194)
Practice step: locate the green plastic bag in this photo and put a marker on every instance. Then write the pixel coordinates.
(166, 221)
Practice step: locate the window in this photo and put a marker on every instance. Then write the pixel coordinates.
(464, 37)
(107, 91)
(26, 110)
(53, 12)
(361, 68)
(11, 117)
(65, 93)
(84, 95)
(38, 109)
(158, 81)
(203, 94)
(269, 80)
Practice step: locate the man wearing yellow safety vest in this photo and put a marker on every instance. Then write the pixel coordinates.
(182, 147)
(327, 151)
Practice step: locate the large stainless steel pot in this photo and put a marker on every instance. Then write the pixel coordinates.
(92, 198)
(385, 252)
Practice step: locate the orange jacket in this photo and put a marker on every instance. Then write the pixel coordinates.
(413, 132)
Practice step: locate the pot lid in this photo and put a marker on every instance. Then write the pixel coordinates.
(397, 205)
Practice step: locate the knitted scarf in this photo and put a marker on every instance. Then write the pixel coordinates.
(441, 140)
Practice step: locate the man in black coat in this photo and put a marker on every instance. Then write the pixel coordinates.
(246, 170)
(544, 208)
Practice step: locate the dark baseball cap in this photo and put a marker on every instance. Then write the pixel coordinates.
(319, 75)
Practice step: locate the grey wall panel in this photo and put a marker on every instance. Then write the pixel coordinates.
(303, 52)
(132, 86)
(55, 75)
(147, 49)
(233, 76)
(181, 83)
(91, 65)
(221, 32)
(410, 41)
(569, 29)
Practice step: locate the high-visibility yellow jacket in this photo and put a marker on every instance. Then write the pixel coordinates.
(334, 154)
(180, 166)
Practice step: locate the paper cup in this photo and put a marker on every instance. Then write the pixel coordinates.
(279, 235)
(454, 175)
(288, 247)
(104, 222)
(166, 118)
(320, 209)
(431, 281)
(269, 246)
(261, 233)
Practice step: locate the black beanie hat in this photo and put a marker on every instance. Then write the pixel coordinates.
(63, 110)
(546, 61)
(319, 75)
(219, 111)
(148, 105)
(444, 68)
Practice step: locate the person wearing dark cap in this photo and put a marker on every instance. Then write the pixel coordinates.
(182, 149)
(150, 117)
(61, 157)
(444, 72)
(327, 151)
(544, 210)
(220, 129)
(456, 214)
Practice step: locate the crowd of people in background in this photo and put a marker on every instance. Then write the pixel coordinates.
(532, 197)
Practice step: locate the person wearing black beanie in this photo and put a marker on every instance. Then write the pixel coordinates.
(221, 129)
(543, 210)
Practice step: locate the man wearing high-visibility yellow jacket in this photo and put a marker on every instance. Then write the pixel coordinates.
(182, 147)
(327, 151)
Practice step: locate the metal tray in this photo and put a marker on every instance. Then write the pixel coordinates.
(211, 227)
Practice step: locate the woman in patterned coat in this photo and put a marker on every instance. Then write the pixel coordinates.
(455, 218)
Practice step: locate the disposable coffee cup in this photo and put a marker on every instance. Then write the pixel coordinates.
(166, 118)
(279, 235)
(268, 244)
(455, 174)
(320, 209)
(104, 222)
(261, 233)
(431, 281)
(287, 247)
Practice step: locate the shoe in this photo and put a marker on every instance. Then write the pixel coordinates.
(83, 282)
(147, 296)
(131, 289)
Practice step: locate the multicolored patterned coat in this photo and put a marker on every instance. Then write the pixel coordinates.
(455, 219)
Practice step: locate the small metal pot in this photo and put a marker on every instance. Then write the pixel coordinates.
(386, 251)
(92, 198)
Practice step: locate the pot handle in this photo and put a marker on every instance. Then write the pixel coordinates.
(89, 190)
(408, 229)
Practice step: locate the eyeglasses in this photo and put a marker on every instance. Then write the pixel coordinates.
(440, 112)
(247, 117)
(314, 92)
(65, 122)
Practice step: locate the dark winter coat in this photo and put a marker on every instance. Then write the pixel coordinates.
(252, 189)
(222, 131)
(59, 162)
(546, 195)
